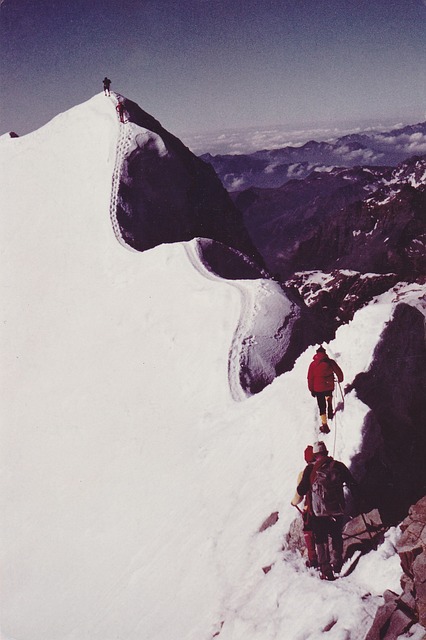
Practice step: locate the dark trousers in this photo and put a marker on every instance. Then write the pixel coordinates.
(309, 538)
(311, 548)
(325, 528)
(324, 399)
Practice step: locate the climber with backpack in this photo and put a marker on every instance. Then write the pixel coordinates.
(307, 515)
(322, 482)
(321, 374)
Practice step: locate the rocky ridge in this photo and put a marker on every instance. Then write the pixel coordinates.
(367, 220)
(406, 613)
(340, 293)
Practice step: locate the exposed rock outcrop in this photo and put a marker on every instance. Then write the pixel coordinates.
(361, 533)
(339, 294)
(391, 619)
(401, 613)
(373, 236)
(412, 550)
(369, 219)
(283, 221)
(406, 612)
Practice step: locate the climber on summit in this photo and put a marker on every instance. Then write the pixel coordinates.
(321, 384)
(307, 515)
(107, 84)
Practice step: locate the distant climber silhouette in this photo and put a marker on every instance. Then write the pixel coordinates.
(321, 384)
(107, 84)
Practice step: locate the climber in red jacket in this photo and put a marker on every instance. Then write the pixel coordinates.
(120, 110)
(321, 374)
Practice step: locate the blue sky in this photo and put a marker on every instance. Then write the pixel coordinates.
(206, 65)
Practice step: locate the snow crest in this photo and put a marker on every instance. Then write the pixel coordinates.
(263, 331)
(133, 485)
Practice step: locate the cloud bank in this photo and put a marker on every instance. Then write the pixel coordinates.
(411, 144)
(383, 138)
(250, 140)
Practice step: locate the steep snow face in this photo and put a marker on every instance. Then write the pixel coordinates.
(167, 194)
(394, 435)
(133, 485)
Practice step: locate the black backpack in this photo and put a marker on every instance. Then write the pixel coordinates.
(327, 497)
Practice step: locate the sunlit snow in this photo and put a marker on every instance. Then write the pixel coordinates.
(133, 481)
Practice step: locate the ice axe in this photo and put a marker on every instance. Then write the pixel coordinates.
(298, 508)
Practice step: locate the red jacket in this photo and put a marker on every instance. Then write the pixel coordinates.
(321, 373)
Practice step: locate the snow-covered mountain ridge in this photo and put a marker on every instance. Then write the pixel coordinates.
(134, 484)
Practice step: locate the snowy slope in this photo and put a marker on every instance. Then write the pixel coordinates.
(133, 483)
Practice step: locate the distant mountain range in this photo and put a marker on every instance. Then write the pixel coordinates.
(370, 219)
(273, 168)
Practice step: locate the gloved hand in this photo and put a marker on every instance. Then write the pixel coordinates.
(313, 394)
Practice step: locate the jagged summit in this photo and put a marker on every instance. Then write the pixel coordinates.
(161, 191)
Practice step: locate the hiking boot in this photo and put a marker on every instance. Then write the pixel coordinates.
(327, 572)
(312, 564)
(324, 428)
(327, 575)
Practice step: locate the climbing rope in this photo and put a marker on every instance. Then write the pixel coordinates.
(335, 420)
(334, 429)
